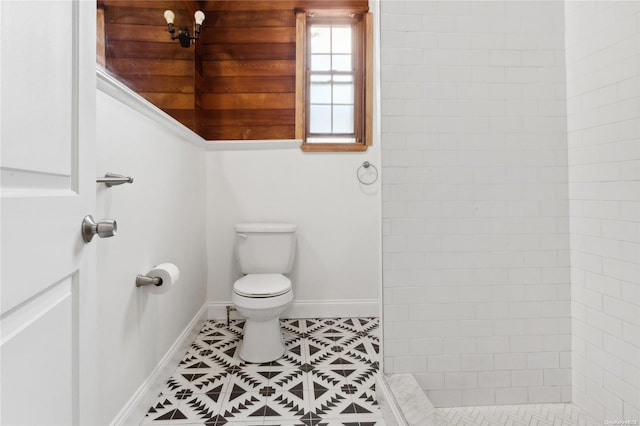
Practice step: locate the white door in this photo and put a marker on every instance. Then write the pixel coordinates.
(47, 288)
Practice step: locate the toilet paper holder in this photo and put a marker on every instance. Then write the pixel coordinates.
(160, 279)
(143, 280)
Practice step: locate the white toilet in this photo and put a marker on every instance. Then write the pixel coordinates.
(264, 252)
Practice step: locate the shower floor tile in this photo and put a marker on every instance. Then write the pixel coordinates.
(525, 415)
(326, 378)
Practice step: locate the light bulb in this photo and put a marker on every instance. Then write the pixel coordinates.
(199, 17)
(169, 16)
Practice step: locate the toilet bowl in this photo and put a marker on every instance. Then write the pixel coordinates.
(264, 251)
(271, 294)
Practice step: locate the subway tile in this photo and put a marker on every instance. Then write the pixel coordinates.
(512, 395)
(401, 22)
(445, 398)
(621, 309)
(510, 361)
(426, 346)
(492, 310)
(555, 309)
(476, 362)
(627, 352)
(471, 397)
(396, 312)
(460, 345)
(524, 309)
(541, 394)
(607, 323)
(557, 376)
(410, 364)
(556, 343)
(541, 326)
(494, 379)
(456, 380)
(396, 347)
(508, 327)
(531, 344)
(565, 359)
(527, 378)
(444, 363)
(475, 328)
(544, 360)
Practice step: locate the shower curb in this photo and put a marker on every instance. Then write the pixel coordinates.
(388, 404)
(413, 404)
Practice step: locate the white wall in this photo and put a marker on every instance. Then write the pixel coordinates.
(475, 210)
(337, 268)
(603, 99)
(161, 218)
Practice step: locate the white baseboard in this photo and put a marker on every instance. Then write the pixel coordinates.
(136, 408)
(310, 309)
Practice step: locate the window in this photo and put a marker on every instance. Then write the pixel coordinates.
(334, 80)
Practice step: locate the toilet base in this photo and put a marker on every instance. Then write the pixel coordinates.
(262, 341)
(262, 338)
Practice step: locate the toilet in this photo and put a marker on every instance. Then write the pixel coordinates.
(264, 252)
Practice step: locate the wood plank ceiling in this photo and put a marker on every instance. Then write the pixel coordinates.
(239, 80)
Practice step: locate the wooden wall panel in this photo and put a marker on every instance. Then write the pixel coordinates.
(236, 51)
(261, 5)
(260, 101)
(247, 89)
(248, 70)
(257, 84)
(271, 68)
(139, 51)
(255, 35)
(250, 132)
(237, 82)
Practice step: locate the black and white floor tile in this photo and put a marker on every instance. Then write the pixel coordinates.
(326, 378)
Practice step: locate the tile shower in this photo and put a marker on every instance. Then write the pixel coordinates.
(475, 209)
(496, 203)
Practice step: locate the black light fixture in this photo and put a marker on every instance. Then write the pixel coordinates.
(183, 33)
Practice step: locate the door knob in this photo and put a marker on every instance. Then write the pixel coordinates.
(104, 228)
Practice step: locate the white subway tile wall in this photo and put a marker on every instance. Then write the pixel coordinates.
(475, 201)
(603, 104)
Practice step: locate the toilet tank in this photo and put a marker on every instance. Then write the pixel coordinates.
(265, 248)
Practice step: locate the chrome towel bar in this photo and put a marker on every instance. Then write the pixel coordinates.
(111, 179)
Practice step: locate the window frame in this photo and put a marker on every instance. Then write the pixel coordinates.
(363, 77)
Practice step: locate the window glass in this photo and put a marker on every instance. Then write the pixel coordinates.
(341, 39)
(343, 119)
(341, 63)
(320, 119)
(320, 93)
(331, 82)
(343, 93)
(320, 62)
(321, 39)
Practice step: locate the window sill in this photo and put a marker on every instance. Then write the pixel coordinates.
(333, 147)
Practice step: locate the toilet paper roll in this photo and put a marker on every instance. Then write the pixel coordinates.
(168, 273)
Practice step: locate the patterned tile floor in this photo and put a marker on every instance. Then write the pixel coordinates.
(326, 378)
(517, 415)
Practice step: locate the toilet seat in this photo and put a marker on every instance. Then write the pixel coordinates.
(262, 285)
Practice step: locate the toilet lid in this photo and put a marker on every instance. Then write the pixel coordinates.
(262, 285)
